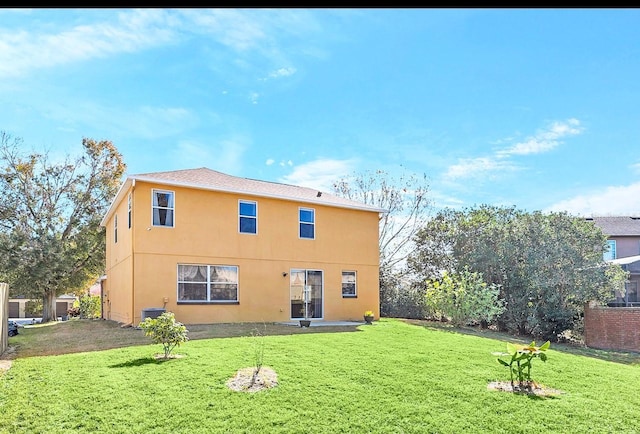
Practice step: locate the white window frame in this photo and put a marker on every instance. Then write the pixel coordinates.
(173, 209)
(611, 252)
(355, 283)
(208, 284)
(241, 216)
(300, 223)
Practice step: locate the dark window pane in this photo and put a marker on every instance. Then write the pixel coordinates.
(248, 225)
(348, 289)
(224, 292)
(306, 230)
(192, 291)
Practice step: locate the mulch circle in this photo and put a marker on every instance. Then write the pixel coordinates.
(241, 382)
(534, 389)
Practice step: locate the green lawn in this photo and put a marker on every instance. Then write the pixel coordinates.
(389, 377)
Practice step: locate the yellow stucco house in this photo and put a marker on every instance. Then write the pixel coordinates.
(215, 248)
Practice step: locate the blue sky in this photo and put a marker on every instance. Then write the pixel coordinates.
(533, 108)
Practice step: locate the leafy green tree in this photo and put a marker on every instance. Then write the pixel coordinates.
(51, 241)
(167, 331)
(407, 207)
(463, 298)
(548, 265)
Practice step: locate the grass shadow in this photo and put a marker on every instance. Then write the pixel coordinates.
(623, 357)
(138, 362)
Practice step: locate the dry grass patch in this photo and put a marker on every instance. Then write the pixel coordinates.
(243, 381)
(84, 335)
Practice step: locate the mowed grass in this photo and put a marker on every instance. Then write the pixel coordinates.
(389, 377)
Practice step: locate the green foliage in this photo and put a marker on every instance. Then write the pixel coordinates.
(33, 308)
(51, 241)
(89, 306)
(463, 298)
(165, 330)
(519, 362)
(547, 265)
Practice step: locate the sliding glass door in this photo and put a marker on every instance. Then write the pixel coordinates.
(305, 287)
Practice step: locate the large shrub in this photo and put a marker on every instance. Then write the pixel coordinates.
(463, 298)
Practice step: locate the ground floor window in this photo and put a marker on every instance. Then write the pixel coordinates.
(349, 284)
(207, 283)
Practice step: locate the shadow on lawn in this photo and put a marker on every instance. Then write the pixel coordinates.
(138, 362)
(626, 358)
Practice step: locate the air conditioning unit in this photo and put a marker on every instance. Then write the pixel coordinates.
(152, 312)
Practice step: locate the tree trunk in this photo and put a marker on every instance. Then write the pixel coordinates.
(49, 306)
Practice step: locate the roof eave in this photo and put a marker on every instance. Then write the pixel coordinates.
(118, 197)
(250, 193)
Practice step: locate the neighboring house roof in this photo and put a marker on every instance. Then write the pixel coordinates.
(618, 226)
(207, 179)
(625, 261)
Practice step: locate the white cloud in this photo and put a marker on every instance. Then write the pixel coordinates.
(22, 51)
(635, 167)
(545, 140)
(269, 161)
(319, 174)
(247, 32)
(231, 27)
(477, 167)
(282, 72)
(614, 200)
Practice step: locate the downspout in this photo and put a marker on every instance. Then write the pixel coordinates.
(133, 255)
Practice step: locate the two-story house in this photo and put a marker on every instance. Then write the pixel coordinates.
(215, 248)
(624, 249)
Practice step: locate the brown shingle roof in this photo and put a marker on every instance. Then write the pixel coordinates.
(207, 179)
(213, 180)
(618, 226)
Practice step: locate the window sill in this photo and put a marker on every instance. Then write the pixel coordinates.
(208, 302)
(349, 296)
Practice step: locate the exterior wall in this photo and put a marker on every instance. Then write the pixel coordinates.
(206, 232)
(626, 246)
(612, 328)
(118, 287)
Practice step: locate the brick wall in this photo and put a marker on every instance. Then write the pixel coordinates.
(612, 328)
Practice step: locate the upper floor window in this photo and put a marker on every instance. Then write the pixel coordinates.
(349, 284)
(115, 228)
(610, 253)
(307, 222)
(163, 208)
(248, 217)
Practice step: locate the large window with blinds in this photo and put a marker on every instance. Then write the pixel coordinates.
(207, 283)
